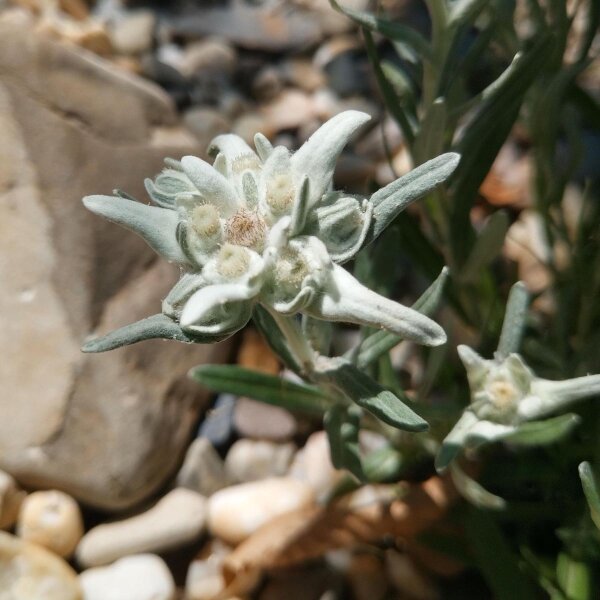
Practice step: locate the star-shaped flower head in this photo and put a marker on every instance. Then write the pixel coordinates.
(508, 402)
(264, 227)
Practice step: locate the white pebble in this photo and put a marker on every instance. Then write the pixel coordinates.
(140, 577)
(51, 519)
(238, 511)
(250, 460)
(177, 519)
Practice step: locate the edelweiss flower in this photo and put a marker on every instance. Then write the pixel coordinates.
(264, 227)
(505, 396)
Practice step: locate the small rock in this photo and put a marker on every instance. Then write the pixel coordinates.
(11, 497)
(217, 426)
(205, 123)
(249, 460)
(289, 110)
(211, 55)
(30, 572)
(407, 579)
(313, 466)
(267, 84)
(238, 511)
(203, 470)
(367, 577)
(140, 577)
(133, 34)
(75, 8)
(257, 420)
(51, 519)
(91, 36)
(175, 520)
(206, 580)
(247, 126)
(303, 74)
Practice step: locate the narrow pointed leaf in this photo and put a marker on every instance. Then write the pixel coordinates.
(430, 139)
(342, 426)
(591, 489)
(381, 342)
(317, 157)
(260, 386)
(156, 225)
(486, 248)
(474, 492)
(156, 326)
(390, 29)
(368, 394)
(391, 200)
(541, 433)
(514, 321)
(455, 441)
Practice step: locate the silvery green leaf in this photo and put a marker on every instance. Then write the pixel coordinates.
(318, 155)
(430, 139)
(236, 380)
(391, 200)
(342, 426)
(180, 293)
(455, 441)
(591, 489)
(156, 225)
(520, 374)
(474, 492)
(211, 184)
(477, 367)
(231, 146)
(263, 146)
(541, 433)
(368, 394)
(218, 308)
(156, 326)
(381, 342)
(250, 188)
(304, 297)
(486, 432)
(318, 333)
(463, 12)
(514, 321)
(342, 226)
(301, 208)
(346, 299)
(486, 248)
(550, 396)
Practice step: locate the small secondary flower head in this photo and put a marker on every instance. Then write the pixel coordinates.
(262, 227)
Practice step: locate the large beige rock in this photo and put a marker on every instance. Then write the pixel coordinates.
(30, 572)
(108, 429)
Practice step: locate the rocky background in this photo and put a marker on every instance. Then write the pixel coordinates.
(147, 488)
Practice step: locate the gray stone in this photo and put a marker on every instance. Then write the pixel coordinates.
(133, 34)
(217, 427)
(203, 470)
(205, 123)
(257, 420)
(108, 429)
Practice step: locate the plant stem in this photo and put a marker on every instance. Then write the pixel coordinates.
(298, 344)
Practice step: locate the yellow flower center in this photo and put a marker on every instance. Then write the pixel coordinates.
(280, 193)
(205, 221)
(233, 261)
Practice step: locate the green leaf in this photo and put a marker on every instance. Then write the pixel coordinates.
(574, 577)
(368, 394)
(343, 426)
(391, 200)
(497, 562)
(260, 386)
(486, 133)
(155, 327)
(431, 137)
(514, 320)
(486, 248)
(464, 12)
(387, 89)
(274, 337)
(381, 342)
(591, 489)
(394, 31)
(383, 465)
(474, 492)
(542, 433)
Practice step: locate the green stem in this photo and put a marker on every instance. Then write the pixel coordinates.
(296, 341)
